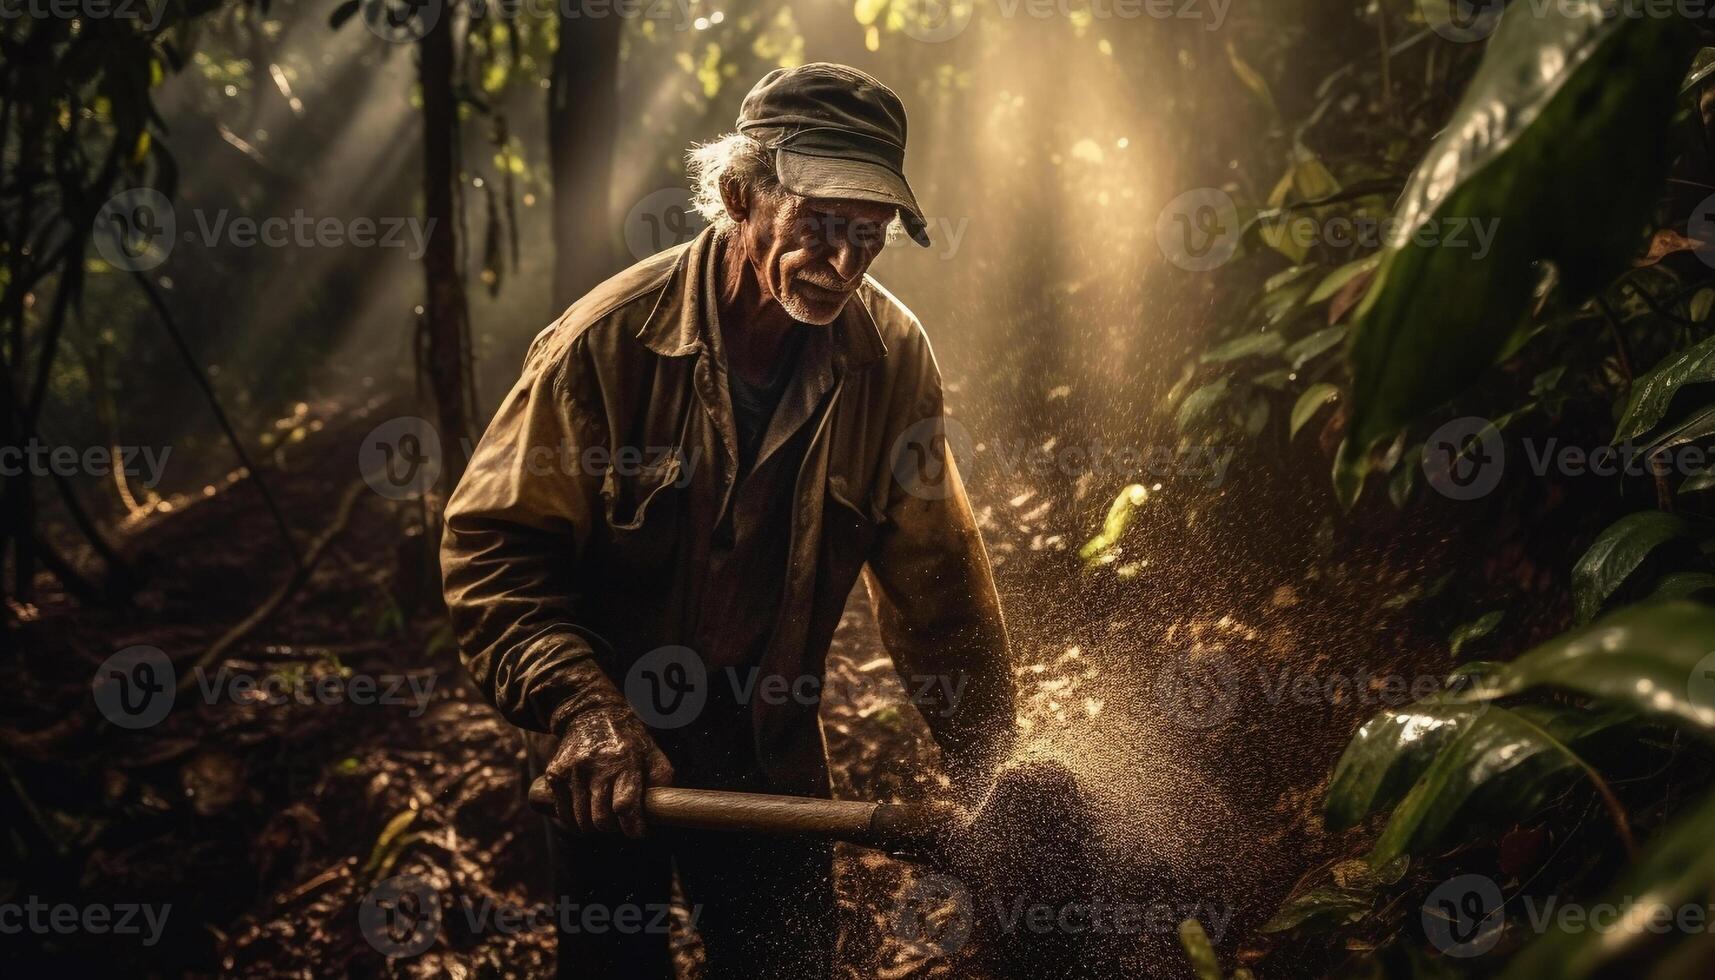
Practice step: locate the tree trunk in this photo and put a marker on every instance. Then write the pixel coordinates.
(583, 110)
(446, 316)
(17, 501)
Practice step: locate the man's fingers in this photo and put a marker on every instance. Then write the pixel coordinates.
(581, 803)
(563, 810)
(601, 802)
(628, 801)
(660, 770)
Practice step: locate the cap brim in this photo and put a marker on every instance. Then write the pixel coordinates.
(843, 178)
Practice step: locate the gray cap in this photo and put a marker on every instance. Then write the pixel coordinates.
(836, 133)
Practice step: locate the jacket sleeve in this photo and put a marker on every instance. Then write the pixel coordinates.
(516, 527)
(933, 591)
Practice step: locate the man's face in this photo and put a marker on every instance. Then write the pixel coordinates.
(810, 254)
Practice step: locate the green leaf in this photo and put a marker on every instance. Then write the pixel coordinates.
(1702, 304)
(1251, 80)
(1418, 591)
(1698, 481)
(1311, 177)
(1255, 417)
(1312, 344)
(1388, 754)
(391, 840)
(1119, 517)
(1652, 393)
(1333, 281)
(1644, 656)
(1252, 345)
(1545, 382)
(1701, 67)
(1699, 425)
(1404, 479)
(1199, 402)
(1561, 142)
(1279, 304)
(1676, 871)
(1475, 630)
(1309, 403)
(1333, 906)
(1682, 585)
(1276, 379)
(1616, 554)
(1198, 949)
(1287, 277)
(1498, 765)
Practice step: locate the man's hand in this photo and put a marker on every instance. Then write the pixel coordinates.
(605, 761)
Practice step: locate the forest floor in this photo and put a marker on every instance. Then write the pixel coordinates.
(265, 822)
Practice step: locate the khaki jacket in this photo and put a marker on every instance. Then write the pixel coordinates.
(558, 548)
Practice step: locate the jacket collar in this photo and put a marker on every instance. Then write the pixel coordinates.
(684, 314)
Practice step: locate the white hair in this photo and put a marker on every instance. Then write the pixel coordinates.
(734, 156)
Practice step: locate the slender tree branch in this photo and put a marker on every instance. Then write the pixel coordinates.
(201, 377)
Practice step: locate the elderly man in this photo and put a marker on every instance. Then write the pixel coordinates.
(657, 535)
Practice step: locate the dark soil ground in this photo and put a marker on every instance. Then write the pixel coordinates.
(266, 825)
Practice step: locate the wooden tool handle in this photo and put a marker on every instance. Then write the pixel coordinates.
(872, 824)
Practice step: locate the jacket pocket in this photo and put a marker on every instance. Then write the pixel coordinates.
(628, 498)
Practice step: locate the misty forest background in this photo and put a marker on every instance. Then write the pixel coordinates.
(1161, 619)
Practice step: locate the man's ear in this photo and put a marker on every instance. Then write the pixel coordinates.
(735, 197)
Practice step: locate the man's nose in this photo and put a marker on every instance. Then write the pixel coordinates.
(848, 257)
